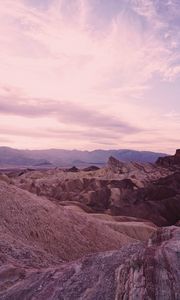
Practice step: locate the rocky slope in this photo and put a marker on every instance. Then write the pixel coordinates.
(139, 271)
(158, 202)
(50, 220)
(60, 232)
(125, 189)
(141, 174)
(171, 162)
(28, 222)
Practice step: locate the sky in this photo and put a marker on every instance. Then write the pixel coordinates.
(90, 74)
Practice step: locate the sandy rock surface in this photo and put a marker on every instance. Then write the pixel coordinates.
(139, 271)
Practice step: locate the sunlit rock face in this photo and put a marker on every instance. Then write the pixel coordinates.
(140, 271)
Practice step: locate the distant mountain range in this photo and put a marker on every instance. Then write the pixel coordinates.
(10, 157)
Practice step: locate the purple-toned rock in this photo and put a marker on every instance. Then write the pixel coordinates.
(178, 223)
(91, 169)
(139, 271)
(73, 169)
(158, 202)
(177, 153)
(172, 161)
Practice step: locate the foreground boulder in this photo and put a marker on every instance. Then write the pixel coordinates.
(138, 271)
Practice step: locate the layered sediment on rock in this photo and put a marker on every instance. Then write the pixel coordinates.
(51, 220)
(139, 271)
(143, 191)
(49, 230)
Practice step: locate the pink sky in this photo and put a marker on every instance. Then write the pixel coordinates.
(89, 74)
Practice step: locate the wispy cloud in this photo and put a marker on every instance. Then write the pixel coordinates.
(97, 71)
(50, 46)
(160, 19)
(65, 112)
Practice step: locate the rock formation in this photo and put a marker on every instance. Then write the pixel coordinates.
(177, 153)
(139, 271)
(73, 169)
(172, 161)
(41, 229)
(140, 173)
(158, 202)
(91, 168)
(92, 233)
(125, 189)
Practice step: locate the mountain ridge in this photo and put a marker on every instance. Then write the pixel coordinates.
(67, 158)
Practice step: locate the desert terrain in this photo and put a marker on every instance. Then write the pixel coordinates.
(92, 233)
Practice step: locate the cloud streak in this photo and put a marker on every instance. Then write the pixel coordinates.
(86, 64)
(65, 112)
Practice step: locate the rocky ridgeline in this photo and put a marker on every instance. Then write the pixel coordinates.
(139, 271)
(51, 220)
(121, 189)
(140, 173)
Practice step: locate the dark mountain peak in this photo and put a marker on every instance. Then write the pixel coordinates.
(177, 154)
(171, 161)
(113, 161)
